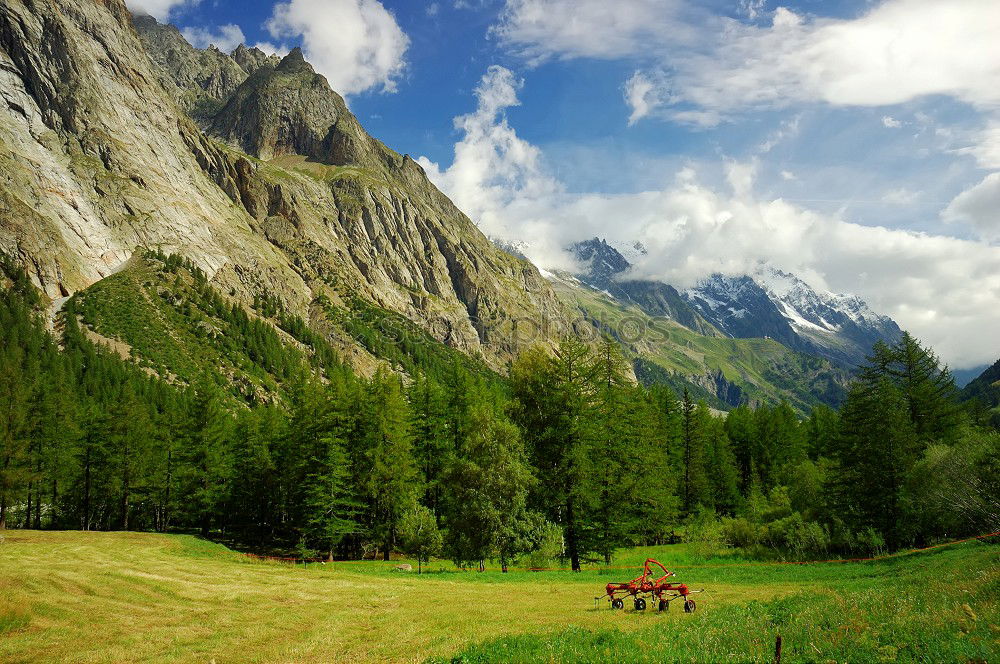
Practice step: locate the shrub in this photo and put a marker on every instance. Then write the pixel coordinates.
(548, 546)
(740, 532)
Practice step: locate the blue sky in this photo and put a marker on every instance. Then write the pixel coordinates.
(854, 142)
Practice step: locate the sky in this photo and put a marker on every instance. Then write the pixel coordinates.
(855, 143)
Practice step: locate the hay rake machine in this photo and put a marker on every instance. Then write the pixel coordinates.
(657, 590)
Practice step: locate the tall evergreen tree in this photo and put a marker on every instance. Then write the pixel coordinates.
(695, 423)
(615, 448)
(433, 436)
(721, 468)
(928, 388)
(821, 430)
(15, 393)
(391, 483)
(877, 447)
(741, 429)
(205, 455)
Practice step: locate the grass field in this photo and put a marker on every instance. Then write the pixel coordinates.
(124, 597)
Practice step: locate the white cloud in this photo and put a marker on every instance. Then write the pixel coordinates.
(158, 9)
(356, 44)
(945, 290)
(985, 146)
(788, 175)
(787, 129)
(900, 196)
(495, 172)
(433, 9)
(898, 51)
(979, 207)
(273, 49)
(540, 29)
(642, 96)
(891, 122)
(752, 9)
(226, 38)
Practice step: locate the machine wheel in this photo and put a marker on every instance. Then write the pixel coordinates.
(664, 605)
(689, 606)
(617, 604)
(640, 604)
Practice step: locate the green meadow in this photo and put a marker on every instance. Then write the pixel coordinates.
(130, 597)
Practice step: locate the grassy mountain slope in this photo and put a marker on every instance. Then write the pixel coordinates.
(733, 370)
(164, 314)
(985, 388)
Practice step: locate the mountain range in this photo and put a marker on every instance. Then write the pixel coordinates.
(768, 303)
(122, 144)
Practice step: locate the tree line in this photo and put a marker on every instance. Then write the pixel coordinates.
(565, 458)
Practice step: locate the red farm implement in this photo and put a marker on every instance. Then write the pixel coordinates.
(655, 589)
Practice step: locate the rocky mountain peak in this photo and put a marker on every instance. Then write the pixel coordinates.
(295, 63)
(289, 109)
(601, 262)
(252, 58)
(200, 79)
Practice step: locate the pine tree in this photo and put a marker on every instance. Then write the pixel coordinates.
(929, 390)
(741, 429)
(333, 510)
(721, 469)
(15, 393)
(615, 448)
(821, 429)
(255, 488)
(552, 397)
(391, 482)
(695, 487)
(655, 420)
(433, 428)
(877, 447)
(205, 457)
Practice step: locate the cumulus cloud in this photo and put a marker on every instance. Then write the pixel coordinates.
(495, 173)
(978, 207)
(225, 38)
(158, 9)
(715, 66)
(356, 44)
(891, 122)
(944, 289)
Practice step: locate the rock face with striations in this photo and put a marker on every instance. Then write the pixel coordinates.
(284, 195)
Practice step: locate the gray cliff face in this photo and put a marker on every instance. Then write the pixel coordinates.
(316, 207)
